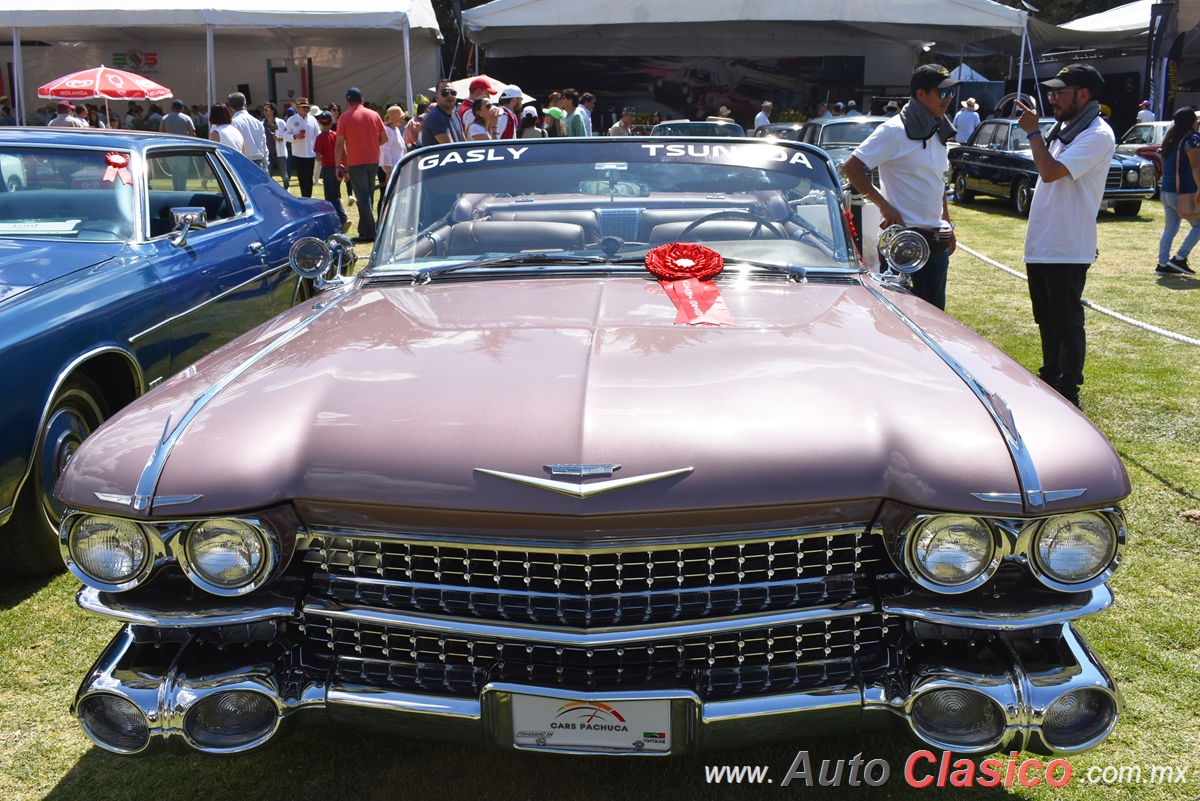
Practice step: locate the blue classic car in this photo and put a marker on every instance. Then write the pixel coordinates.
(123, 259)
(997, 161)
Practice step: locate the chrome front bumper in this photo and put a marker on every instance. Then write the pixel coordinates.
(1035, 658)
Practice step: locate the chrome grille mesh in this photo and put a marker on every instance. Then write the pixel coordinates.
(1114, 178)
(585, 589)
(757, 661)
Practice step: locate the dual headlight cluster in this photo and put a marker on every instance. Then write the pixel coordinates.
(957, 553)
(1142, 176)
(226, 556)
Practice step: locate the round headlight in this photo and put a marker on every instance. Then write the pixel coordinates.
(1076, 547)
(952, 550)
(1078, 717)
(232, 719)
(1148, 176)
(226, 553)
(1131, 176)
(109, 549)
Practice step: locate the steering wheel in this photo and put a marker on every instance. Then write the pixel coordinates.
(734, 214)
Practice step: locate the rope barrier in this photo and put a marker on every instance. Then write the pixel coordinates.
(1093, 306)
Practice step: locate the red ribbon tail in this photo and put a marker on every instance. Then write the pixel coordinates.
(697, 302)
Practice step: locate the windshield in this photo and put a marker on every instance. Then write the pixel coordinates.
(61, 193)
(611, 201)
(1020, 141)
(847, 133)
(697, 129)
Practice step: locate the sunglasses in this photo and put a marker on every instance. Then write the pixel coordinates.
(944, 93)
(449, 93)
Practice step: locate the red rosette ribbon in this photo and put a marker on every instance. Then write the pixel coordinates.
(118, 167)
(685, 271)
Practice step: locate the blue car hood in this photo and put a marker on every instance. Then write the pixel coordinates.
(28, 263)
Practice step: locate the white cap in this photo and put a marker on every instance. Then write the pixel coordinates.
(510, 92)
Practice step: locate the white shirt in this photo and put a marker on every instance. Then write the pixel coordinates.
(1062, 218)
(965, 121)
(253, 132)
(912, 173)
(761, 119)
(66, 121)
(233, 137)
(1145, 115)
(391, 153)
(302, 148)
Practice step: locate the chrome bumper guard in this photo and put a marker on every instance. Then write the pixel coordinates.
(1037, 658)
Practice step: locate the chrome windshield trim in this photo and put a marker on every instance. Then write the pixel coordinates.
(1027, 476)
(1073, 606)
(250, 610)
(584, 490)
(157, 462)
(599, 546)
(201, 305)
(575, 637)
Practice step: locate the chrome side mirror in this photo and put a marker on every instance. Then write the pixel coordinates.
(311, 258)
(903, 250)
(186, 218)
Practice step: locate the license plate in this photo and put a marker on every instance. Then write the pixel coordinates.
(562, 724)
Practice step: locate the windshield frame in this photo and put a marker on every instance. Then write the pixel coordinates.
(398, 235)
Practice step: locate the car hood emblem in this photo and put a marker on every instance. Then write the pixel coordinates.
(580, 490)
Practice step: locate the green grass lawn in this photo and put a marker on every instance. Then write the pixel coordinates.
(1141, 390)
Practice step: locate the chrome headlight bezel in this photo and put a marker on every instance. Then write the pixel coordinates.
(910, 535)
(270, 548)
(1148, 176)
(1030, 539)
(156, 551)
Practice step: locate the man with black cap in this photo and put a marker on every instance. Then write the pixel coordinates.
(1072, 161)
(910, 152)
(360, 133)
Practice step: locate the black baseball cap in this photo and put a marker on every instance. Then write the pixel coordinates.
(931, 76)
(1084, 76)
(354, 94)
(177, 104)
(325, 116)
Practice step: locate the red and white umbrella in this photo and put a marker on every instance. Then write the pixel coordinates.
(103, 82)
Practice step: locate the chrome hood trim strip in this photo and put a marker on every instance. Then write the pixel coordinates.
(1032, 495)
(148, 482)
(584, 490)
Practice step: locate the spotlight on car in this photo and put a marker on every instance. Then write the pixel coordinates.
(1079, 718)
(902, 249)
(108, 551)
(115, 723)
(235, 719)
(958, 718)
(227, 556)
(952, 553)
(1073, 549)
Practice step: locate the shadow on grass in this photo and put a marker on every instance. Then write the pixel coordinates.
(1178, 283)
(14, 592)
(348, 765)
(1166, 483)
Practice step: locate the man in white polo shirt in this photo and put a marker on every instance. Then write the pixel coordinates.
(302, 129)
(1072, 161)
(910, 152)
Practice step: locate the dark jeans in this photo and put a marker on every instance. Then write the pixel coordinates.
(279, 166)
(362, 181)
(1056, 291)
(303, 169)
(929, 282)
(333, 190)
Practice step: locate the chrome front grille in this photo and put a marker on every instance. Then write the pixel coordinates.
(753, 662)
(576, 588)
(1114, 178)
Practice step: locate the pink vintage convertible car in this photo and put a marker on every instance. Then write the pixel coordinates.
(613, 447)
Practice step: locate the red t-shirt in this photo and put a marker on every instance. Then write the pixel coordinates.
(324, 147)
(361, 128)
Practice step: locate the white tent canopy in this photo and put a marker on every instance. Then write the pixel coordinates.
(383, 46)
(1130, 18)
(499, 23)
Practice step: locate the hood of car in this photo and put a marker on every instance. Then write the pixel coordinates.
(420, 397)
(28, 263)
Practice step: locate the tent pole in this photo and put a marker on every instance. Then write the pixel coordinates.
(412, 107)
(1037, 87)
(212, 65)
(18, 78)
(1021, 68)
